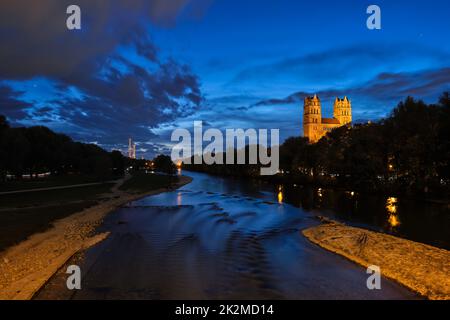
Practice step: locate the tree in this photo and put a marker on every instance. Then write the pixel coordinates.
(164, 164)
(17, 150)
(38, 149)
(3, 123)
(292, 154)
(118, 162)
(443, 142)
(3, 162)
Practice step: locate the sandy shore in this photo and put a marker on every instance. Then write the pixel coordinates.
(26, 267)
(422, 268)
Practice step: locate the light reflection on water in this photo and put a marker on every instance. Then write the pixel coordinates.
(391, 207)
(280, 195)
(406, 217)
(409, 218)
(393, 221)
(179, 198)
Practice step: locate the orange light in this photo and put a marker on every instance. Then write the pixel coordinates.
(393, 221)
(280, 197)
(280, 194)
(391, 207)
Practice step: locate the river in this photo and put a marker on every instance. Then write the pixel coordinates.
(215, 238)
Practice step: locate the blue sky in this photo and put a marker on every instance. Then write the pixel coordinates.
(142, 70)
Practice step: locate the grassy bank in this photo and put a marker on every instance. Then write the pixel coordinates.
(52, 181)
(144, 182)
(24, 214)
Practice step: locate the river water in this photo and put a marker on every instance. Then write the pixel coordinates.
(215, 238)
(408, 218)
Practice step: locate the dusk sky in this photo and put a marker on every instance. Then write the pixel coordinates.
(143, 68)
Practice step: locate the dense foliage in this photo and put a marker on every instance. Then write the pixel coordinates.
(34, 150)
(163, 163)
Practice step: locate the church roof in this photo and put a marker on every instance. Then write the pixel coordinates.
(315, 97)
(330, 121)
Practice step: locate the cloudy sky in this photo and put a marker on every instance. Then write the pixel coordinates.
(141, 68)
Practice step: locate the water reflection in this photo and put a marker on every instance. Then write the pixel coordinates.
(391, 207)
(179, 198)
(319, 192)
(280, 195)
(393, 221)
(406, 217)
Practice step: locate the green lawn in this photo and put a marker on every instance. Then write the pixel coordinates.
(52, 181)
(143, 182)
(23, 214)
(39, 198)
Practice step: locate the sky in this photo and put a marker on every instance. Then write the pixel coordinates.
(142, 68)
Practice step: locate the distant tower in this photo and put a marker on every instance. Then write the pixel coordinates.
(131, 149)
(312, 116)
(342, 110)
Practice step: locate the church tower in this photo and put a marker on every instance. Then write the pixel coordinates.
(342, 110)
(312, 117)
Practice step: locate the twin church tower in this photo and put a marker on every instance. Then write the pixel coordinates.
(315, 127)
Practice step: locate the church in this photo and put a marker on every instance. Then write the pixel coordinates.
(315, 127)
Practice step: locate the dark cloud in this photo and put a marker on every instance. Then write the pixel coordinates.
(300, 96)
(339, 65)
(118, 97)
(385, 87)
(35, 40)
(11, 105)
(131, 104)
(388, 86)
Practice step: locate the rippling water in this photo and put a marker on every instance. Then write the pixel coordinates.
(215, 239)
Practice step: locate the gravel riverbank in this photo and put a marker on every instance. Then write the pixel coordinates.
(420, 267)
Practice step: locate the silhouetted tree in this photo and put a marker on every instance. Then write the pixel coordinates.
(164, 164)
(3, 123)
(38, 149)
(118, 162)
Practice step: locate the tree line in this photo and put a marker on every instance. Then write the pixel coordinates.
(35, 150)
(407, 152)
